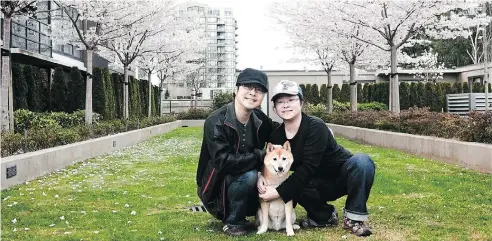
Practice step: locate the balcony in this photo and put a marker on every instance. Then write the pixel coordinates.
(31, 35)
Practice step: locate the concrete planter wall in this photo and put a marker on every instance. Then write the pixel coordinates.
(34, 164)
(476, 156)
(31, 165)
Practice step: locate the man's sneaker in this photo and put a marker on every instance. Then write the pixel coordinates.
(234, 230)
(333, 221)
(359, 228)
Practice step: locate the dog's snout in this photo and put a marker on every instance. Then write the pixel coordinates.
(280, 169)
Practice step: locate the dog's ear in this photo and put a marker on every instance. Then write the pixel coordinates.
(287, 145)
(269, 147)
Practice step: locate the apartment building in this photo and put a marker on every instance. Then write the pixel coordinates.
(219, 72)
(32, 44)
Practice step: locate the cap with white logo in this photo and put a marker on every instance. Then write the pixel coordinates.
(287, 87)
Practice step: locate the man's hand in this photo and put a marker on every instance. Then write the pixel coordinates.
(261, 184)
(270, 194)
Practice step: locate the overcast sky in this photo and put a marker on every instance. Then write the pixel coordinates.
(261, 40)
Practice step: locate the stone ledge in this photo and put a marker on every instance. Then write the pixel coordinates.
(34, 164)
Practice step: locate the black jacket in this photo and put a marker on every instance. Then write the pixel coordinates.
(316, 155)
(219, 155)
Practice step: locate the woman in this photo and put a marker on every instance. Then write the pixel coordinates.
(323, 170)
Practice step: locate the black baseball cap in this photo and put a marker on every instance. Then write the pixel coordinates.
(253, 76)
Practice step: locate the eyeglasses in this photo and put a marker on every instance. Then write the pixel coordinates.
(250, 87)
(284, 102)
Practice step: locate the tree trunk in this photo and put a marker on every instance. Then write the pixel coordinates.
(196, 97)
(125, 92)
(150, 94)
(353, 88)
(6, 78)
(161, 87)
(394, 85)
(88, 88)
(329, 104)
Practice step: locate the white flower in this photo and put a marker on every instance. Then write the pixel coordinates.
(116, 203)
(26, 229)
(62, 217)
(188, 195)
(14, 230)
(96, 232)
(160, 232)
(126, 205)
(44, 194)
(125, 192)
(133, 213)
(83, 212)
(68, 233)
(14, 220)
(51, 225)
(114, 211)
(56, 196)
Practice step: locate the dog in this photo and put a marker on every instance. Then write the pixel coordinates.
(276, 214)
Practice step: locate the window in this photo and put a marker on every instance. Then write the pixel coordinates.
(211, 27)
(77, 53)
(228, 13)
(212, 20)
(67, 48)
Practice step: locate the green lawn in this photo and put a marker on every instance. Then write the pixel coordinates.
(144, 193)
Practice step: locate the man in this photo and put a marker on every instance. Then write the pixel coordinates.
(232, 152)
(323, 170)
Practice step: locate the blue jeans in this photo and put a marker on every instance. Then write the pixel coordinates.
(355, 179)
(242, 197)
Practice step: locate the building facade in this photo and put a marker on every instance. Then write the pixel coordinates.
(219, 71)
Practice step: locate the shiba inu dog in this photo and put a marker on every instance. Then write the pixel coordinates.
(276, 214)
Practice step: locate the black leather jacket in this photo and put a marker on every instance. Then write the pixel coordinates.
(220, 155)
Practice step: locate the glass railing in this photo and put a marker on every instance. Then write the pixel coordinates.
(31, 35)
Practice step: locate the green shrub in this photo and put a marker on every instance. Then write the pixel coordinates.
(375, 106)
(477, 127)
(221, 99)
(316, 110)
(11, 143)
(63, 119)
(44, 130)
(193, 114)
(340, 106)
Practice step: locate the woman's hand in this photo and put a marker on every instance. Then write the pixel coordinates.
(261, 184)
(270, 194)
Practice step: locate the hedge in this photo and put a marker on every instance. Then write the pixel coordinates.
(476, 127)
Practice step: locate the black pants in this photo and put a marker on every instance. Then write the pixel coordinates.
(354, 180)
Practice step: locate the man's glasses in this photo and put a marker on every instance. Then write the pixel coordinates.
(250, 87)
(284, 102)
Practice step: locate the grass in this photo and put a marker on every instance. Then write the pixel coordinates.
(144, 193)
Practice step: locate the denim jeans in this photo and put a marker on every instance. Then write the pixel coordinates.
(355, 180)
(242, 197)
